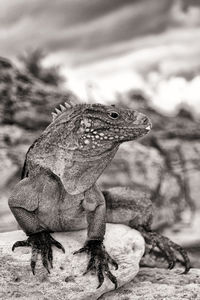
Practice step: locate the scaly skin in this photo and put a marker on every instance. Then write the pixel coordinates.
(58, 191)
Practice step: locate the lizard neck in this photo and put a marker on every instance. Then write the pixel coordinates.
(59, 152)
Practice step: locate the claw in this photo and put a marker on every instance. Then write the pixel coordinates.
(111, 277)
(100, 276)
(90, 265)
(57, 244)
(84, 249)
(167, 248)
(34, 259)
(116, 266)
(171, 265)
(167, 252)
(98, 261)
(186, 261)
(33, 263)
(50, 257)
(24, 243)
(185, 271)
(112, 261)
(44, 259)
(41, 243)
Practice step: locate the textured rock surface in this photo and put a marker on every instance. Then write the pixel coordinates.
(144, 168)
(134, 163)
(170, 174)
(159, 284)
(66, 280)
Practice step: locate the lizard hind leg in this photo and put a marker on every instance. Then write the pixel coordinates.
(134, 208)
(167, 248)
(42, 243)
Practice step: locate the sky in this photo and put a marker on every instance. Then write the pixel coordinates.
(105, 47)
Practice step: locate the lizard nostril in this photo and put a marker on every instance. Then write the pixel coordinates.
(145, 121)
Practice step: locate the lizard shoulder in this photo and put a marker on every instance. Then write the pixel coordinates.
(26, 194)
(31, 190)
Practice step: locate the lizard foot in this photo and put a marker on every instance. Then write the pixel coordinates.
(98, 261)
(167, 248)
(41, 242)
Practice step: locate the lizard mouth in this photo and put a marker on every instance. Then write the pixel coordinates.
(94, 137)
(148, 128)
(135, 132)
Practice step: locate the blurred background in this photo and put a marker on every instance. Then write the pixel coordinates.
(140, 54)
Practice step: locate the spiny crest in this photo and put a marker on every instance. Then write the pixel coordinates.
(62, 109)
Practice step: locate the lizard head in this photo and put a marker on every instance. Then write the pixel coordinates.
(82, 140)
(104, 127)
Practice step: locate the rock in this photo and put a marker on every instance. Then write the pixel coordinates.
(66, 280)
(188, 237)
(134, 164)
(159, 284)
(190, 155)
(7, 168)
(143, 168)
(184, 158)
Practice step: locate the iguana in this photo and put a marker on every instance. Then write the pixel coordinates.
(58, 190)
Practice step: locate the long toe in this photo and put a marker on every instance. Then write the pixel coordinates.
(100, 276)
(90, 266)
(111, 261)
(186, 261)
(34, 257)
(24, 243)
(111, 277)
(57, 244)
(167, 252)
(50, 257)
(44, 255)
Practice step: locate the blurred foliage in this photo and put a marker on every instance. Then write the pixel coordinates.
(25, 100)
(32, 61)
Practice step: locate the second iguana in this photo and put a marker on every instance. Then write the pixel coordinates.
(58, 190)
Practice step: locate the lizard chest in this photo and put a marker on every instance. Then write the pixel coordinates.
(58, 210)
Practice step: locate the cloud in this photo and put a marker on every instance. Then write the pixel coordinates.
(114, 43)
(77, 26)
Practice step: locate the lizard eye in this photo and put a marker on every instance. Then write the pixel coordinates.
(113, 114)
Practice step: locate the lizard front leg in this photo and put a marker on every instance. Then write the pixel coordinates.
(94, 204)
(24, 204)
(39, 238)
